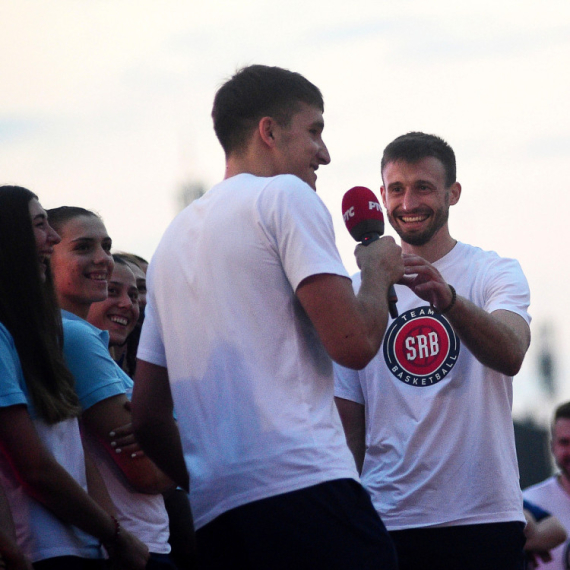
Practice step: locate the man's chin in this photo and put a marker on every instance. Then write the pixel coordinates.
(418, 239)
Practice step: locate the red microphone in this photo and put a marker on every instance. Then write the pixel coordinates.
(364, 220)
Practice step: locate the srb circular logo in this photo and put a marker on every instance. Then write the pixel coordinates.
(421, 347)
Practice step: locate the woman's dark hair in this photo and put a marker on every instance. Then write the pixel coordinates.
(120, 259)
(29, 311)
(134, 259)
(58, 217)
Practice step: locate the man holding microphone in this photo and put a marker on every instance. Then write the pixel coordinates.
(429, 419)
(248, 305)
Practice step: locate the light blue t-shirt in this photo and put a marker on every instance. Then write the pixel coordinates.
(97, 376)
(40, 534)
(13, 389)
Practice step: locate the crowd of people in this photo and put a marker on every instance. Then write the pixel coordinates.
(259, 408)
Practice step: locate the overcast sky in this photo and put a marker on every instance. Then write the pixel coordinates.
(106, 104)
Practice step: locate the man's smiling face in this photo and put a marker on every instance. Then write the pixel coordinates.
(416, 198)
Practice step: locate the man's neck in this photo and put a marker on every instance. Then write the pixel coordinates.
(251, 161)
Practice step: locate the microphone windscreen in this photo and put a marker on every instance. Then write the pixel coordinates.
(362, 212)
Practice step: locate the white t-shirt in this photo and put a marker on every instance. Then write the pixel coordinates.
(439, 431)
(251, 382)
(39, 533)
(550, 496)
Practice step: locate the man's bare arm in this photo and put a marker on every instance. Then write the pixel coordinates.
(351, 326)
(498, 340)
(154, 424)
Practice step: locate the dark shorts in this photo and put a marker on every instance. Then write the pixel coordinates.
(160, 562)
(331, 526)
(494, 546)
(69, 563)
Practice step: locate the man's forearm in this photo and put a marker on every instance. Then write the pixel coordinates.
(160, 440)
(498, 340)
(153, 421)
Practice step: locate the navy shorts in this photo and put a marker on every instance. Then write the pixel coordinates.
(493, 546)
(330, 526)
(70, 563)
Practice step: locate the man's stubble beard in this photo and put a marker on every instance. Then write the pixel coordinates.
(440, 219)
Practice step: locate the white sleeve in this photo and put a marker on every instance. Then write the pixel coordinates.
(151, 345)
(347, 384)
(507, 288)
(299, 227)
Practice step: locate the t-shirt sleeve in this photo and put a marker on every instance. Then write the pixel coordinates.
(299, 226)
(11, 377)
(88, 359)
(507, 288)
(151, 346)
(347, 384)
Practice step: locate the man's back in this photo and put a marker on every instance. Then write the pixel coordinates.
(240, 351)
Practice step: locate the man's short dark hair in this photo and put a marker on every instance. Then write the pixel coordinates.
(413, 147)
(562, 412)
(255, 92)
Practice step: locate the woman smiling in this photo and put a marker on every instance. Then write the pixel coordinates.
(83, 270)
(43, 467)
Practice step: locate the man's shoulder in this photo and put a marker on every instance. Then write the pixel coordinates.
(538, 489)
(468, 253)
(472, 260)
(551, 497)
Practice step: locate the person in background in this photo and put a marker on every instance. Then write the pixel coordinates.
(126, 355)
(139, 266)
(553, 494)
(119, 312)
(543, 532)
(43, 468)
(82, 265)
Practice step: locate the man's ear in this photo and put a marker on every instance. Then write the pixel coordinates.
(266, 130)
(383, 194)
(454, 193)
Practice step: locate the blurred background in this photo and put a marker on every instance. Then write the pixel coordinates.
(106, 104)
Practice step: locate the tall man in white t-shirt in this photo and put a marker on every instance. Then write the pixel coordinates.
(553, 494)
(248, 303)
(429, 419)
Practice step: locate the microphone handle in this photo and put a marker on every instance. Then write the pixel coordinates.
(367, 239)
